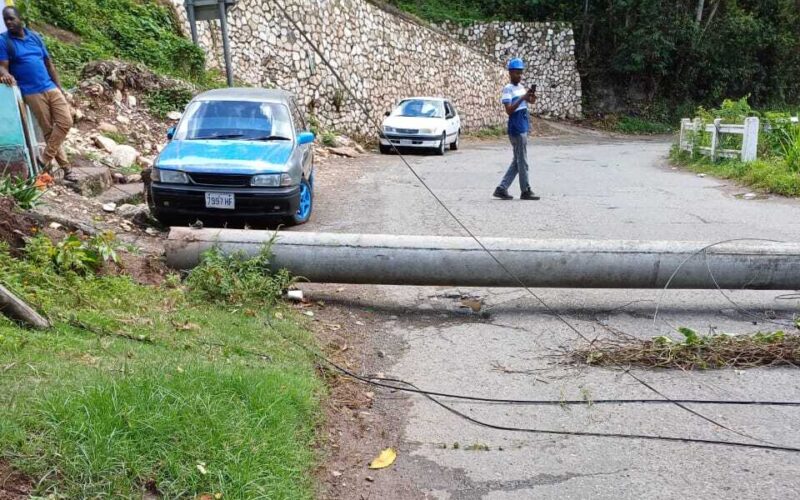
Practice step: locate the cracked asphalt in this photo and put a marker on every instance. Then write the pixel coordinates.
(592, 186)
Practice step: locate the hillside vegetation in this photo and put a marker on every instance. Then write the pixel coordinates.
(78, 31)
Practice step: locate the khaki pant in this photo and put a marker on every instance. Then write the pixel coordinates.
(53, 114)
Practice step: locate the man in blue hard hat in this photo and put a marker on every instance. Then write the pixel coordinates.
(516, 99)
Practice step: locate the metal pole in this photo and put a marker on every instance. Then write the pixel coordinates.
(192, 21)
(441, 261)
(223, 20)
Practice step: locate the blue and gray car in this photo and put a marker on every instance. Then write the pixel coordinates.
(236, 153)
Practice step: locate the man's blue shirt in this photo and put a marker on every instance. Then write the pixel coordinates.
(28, 66)
(518, 123)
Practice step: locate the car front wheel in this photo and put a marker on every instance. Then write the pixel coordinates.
(442, 145)
(306, 204)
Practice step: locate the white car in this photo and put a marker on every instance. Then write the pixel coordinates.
(421, 122)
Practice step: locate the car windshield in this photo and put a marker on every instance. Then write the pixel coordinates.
(239, 120)
(420, 108)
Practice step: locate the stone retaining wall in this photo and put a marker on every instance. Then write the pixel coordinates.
(383, 58)
(547, 48)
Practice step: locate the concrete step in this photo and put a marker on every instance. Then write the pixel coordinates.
(91, 181)
(120, 194)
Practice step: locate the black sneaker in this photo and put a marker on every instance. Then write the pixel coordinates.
(528, 195)
(502, 194)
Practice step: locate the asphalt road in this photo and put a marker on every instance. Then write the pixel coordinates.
(591, 187)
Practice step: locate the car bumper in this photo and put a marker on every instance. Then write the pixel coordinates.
(183, 200)
(411, 141)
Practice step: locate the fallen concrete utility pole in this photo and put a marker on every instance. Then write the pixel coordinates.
(13, 307)
(432, 260)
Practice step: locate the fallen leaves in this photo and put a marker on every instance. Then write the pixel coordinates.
(385, 459)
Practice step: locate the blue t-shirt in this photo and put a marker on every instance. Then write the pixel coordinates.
(518, 121)
(28, 67)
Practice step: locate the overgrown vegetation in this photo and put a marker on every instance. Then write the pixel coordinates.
(696, 351)
(163, 101)
(24, 191)
(140, 389)
(631, 125)
(661, 58)
(237, 278)
(135, 30)
(777, 169)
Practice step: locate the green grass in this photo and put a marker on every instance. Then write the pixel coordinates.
(772, 174)
(135, 30)
(443, 10)
(138, 386)
(488, 133)
(632, 125)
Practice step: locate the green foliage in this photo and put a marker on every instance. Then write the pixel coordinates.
(163, 101)
(328, 138)
(789, 141)
(140, 387)
(237, 278)
(770, 174)
(23, 191)
(136, 30)
(117, 137)
(73, 254)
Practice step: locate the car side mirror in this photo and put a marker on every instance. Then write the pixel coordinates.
(170, 133)
(305, 138)
(387, 113)
(450, 116)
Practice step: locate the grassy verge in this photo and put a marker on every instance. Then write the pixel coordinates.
(770, 174)
(177, 390)
(146, 31)
(631, 125)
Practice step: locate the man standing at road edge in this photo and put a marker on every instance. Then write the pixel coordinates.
(24, 61)
(515, 99)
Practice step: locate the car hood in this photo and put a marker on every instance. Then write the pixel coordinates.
(233, 157)
(413, 123)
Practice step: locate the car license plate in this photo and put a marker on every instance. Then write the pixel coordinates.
(220, 200)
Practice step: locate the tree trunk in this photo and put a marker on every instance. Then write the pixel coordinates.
(13, 307)
(699, 13)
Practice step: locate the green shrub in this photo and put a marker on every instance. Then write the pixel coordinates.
(136, 30)
(24, 191)
(73, 254)
(237, 278)
(163, 101)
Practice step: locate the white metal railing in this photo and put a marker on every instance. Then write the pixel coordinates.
(691, 131)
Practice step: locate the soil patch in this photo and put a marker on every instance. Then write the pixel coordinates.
(15, 225)
(13, 484)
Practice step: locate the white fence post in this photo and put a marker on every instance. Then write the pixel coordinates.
(684, 140)
(750, 139)
(715, 138)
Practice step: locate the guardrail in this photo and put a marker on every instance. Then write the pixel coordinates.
(691, 132)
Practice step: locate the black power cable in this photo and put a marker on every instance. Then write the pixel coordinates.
(411, 388)
(282, 10)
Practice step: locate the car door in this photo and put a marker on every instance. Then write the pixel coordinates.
(306, 149)
(452, 121)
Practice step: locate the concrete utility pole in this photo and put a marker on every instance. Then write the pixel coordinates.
(441, 261)
(209, 10)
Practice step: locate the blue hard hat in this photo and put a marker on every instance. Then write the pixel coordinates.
(516, 63)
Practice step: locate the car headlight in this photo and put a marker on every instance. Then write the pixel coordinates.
(271, 180)
(389, 129)
(170, 176)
